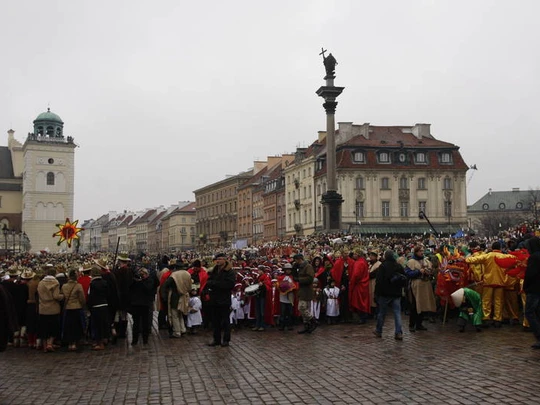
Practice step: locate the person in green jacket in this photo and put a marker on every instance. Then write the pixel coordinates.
(469, 303)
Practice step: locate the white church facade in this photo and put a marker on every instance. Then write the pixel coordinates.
(36, 186)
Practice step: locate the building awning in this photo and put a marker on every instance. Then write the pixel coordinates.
(403, 229)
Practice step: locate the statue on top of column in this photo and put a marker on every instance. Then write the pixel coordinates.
(329, 64)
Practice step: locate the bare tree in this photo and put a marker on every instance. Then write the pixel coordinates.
(534, 206)
(492, 223)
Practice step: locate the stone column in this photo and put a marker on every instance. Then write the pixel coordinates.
(331, 200)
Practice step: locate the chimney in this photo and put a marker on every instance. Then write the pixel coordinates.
(322, 135)
(489, 192)
(422, 131)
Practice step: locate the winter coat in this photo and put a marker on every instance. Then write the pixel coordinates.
(420, 289)
(98, 293)
(142, 291)
(306, 274)
(49, 296)
(74, 295)
(383, 284)
(532, 274)
(220, 284)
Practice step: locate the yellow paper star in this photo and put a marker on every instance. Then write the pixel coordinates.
(67, 232)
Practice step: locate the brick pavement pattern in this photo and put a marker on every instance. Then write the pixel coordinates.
(338, 364)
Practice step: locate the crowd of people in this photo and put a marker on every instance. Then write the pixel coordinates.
(52, 301)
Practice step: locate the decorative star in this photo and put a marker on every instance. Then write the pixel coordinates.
(67, 232)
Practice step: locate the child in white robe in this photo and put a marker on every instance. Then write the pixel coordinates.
(194, 316)
(332, 303)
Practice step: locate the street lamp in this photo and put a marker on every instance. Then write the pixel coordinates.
(5, 231)
(13, 233)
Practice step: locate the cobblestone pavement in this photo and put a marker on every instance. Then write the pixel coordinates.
(338, 364)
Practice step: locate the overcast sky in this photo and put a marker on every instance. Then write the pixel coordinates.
(164, 97)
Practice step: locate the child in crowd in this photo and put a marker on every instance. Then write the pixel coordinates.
(316, 302)
(331, 292)
(194, 317)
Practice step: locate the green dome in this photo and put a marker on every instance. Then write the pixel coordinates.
(49, 116)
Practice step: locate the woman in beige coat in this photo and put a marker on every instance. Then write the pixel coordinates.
(49, 309)
(72, 318)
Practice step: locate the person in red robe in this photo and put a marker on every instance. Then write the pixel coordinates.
(359, 286)
(271, 309)
(340, 274)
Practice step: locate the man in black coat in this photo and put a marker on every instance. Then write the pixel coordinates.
(531, 286)
(221, 280)
(388, 287)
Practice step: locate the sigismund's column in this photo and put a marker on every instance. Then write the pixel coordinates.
(331, 199)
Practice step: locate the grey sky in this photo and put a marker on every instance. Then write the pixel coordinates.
(168, 96)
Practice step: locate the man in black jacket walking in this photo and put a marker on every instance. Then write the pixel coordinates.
(388, 288)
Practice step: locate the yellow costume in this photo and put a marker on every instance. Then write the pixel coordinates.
(495, 282)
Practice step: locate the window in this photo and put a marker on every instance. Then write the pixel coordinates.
(359, 209)
(50, 179)
(385, 183)
(421, 183)
(447, 183)
(358, 157)
(448, 209)
(420, 157)
(485, 207)
(446, 157)
(519, 205)
(422, 207)
(384, 157)
(318, 189)
(502, 206)
(402, 157)
(403, 183)
(359, 183)
(385, 209)
(404, 209)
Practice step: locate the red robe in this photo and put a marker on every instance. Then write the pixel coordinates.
(203, 277)
(337, 269)
(359, 287)
(85, 282)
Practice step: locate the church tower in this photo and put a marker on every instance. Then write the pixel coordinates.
(48, 181)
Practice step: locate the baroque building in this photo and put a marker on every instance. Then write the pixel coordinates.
(37, 184)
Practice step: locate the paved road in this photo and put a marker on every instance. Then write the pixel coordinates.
(338, 364)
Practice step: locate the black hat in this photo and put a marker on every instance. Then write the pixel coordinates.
(218, 255)
(298, 256)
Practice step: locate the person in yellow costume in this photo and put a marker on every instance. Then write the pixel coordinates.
(495, 282)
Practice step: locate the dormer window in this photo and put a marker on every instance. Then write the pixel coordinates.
(420, 157)
(446, 158)
(359, 157)
(384, 157)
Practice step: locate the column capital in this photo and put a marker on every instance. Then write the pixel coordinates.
(330, 107)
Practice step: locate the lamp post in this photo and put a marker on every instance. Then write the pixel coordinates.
(13, 233)
(5, 231)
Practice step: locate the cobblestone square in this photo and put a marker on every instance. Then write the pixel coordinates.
(338, 364)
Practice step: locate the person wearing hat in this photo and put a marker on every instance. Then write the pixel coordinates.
(199, 276)
(340, 273)
(142, 294)
(469, 303)
(19, 292)
(32, 280)
(98, 296)
(124, 278)
(306, 275)
(49, 309)
(286, 288)
(221, 280)
(175, 291)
